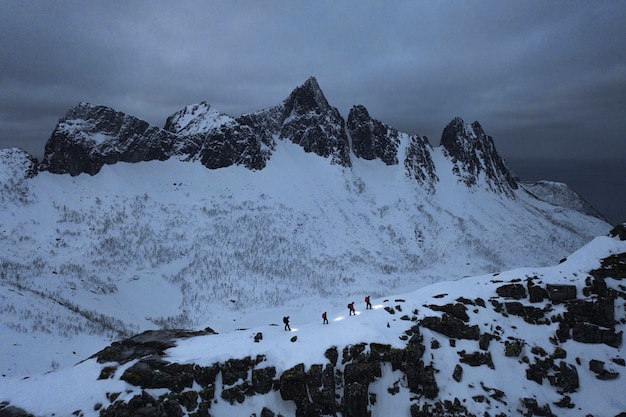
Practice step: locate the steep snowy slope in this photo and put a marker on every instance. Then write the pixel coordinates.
(170, 243)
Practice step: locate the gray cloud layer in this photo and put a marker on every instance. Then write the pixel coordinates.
(544, 78)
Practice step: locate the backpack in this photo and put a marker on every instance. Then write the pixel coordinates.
(367, 299)
(285, 319)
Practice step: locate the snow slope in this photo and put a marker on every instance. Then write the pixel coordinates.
(87, 260)
(77, 389)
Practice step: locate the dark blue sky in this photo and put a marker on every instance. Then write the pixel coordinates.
(546, 79)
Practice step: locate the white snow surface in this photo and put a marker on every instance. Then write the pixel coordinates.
(88, 260)
(74, 388)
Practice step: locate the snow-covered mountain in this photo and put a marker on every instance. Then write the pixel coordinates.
(234, 222)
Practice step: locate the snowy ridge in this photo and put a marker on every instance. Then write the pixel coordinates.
(504, 361)
(196, 119)
(561, 194)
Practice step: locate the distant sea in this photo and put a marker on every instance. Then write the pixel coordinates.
(602, 183)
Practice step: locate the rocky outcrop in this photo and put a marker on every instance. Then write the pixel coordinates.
(418, 163)
(474, 156)
(90, 136)
(372, 139)
(312, 123)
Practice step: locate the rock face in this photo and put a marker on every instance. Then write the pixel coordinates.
(90, 136)
(372, 139)
(474, 156)
(313, 124)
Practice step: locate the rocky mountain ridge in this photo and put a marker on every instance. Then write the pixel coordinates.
(90, 136)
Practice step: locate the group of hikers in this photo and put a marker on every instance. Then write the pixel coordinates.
(351, 311)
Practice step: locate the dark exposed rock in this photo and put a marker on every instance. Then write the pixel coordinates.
(536, 293)
(235, 369)
(513, 349)
(418, 163)
(561, 293)
(529, 313)
(237, 393)
(457, 374)
(613, 266)
(600, 312)
(535, 410)
(332, 355)
(619, 231)
(263, 379)
(484, 340)
(516, 291)
(7, 410)
(565, 402)
(266, 412)
(457, 310)
(372, 139)
(476, 359)
(155, 373)
(619, 361)
(363, 373)
(588, 333)
(293, 386)
(451, 327)
(566, 378)
(312, 123)
(355, 400)
(144, 405)
(379, 352)
(474, 155)
(90, 136)
(151, 342)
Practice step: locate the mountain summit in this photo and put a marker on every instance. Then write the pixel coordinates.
(473, 153)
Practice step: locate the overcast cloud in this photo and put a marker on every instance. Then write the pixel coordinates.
(545, 78)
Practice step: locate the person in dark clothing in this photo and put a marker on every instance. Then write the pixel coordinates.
(351, 308)
(368, 305)
(286, 321)
(324, 318)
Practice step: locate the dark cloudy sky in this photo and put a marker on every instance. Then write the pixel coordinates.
(546, 79)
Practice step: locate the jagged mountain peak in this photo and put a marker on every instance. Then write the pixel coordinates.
(92, 135)
(312, 123)
(474, 156)
(195, 119)
(307, 97)
(372, 139)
